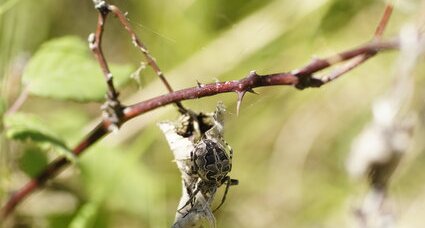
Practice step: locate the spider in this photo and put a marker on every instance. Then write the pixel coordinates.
(211, 164)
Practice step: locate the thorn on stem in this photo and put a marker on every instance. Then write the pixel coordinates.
(252, 74)
(200, 85)
(241, 94)
(252, 91)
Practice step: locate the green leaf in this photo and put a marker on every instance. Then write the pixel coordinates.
(22, 126)
(63, 68)
(33, 161)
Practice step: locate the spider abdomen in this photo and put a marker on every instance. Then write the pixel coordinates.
(211, 161)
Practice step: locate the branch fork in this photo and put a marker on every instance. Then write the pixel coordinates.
(112, 108)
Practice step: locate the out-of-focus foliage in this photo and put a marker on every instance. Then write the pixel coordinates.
(63, 69)
(2, 107)
(27, 127)
(33, 161)
(290, 147)
(341, 12)
(21, 126)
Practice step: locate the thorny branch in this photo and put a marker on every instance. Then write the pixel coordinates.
(151, 60)
(301, 78)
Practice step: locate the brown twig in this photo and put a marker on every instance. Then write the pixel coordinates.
(351, 64)
(112, 108)
(149, 58)
(301, 79)
(95, 43)
(384, 21)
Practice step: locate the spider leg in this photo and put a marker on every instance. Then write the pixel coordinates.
(234, 182)
(209, 196)
(230, 152)
(230, 155)
(189, 201)
(229, 182)
(188, 187)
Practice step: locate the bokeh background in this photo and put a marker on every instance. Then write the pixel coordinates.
(290, 146)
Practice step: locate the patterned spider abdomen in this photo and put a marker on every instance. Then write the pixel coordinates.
(210, 161)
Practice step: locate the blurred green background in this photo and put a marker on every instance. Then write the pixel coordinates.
(290, 146)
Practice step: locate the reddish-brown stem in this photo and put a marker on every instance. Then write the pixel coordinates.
(254, 80)
(384, 21)
(96, 47)
(369, 48)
